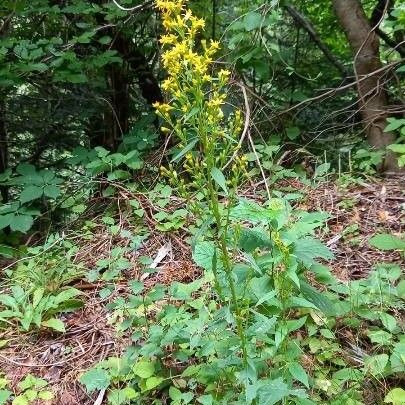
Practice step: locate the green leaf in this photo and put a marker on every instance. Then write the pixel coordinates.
(298, 372)
(22, 223)
(397, 358)
(8, 301)
(20, 400)
(46, 395)
(318, 299)
(5, 220)
(55, 324)
(174, 393)
(375, 365)
(30, 381)
(31, 193)
(52, 191)
(251, 239)
(292, 132)
(385, 241)
(95, 379)
(396, 397)
(308, 249)
(389, 322)
(205, 399)
(153, 382)
(186, 149)
(253, 21)
(219, 178)
(66, 295)
(4, 396)
(122, 396)
(203, 254)
(397, 148)
(394, 124)
(144, 369)
(321, 170)
(37, 296)
(276, 390)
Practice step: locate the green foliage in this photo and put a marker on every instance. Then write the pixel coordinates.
(387, 242)
(31, 390)
(36, 307)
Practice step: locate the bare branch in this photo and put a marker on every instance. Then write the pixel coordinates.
(301, 20)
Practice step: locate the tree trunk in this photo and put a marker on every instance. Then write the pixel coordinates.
(372, 97)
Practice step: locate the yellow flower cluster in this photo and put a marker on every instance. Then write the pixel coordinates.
(197, 97)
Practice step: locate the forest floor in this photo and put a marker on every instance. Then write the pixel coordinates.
(356, 213)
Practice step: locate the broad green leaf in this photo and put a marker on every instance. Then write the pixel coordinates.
(4, 396)
(203, 254)
(389, 322)
(122, 396)
(55, 324)
(276, 390)
(298, 372)
(292, 132)
(5, 220)
(397, 148)
(174, 393)
(385, 241)
(394, 124)
(308, 249)
(46, 395)
(95, 379)
(30, 381)
(376, 364)
(253, 21)
(31, 193)
(153, 382)
(205, 399)
(21, 223)
(251, 239)
(321, 170)
(396, 397)
(20, 400)
(219, 178)
(66, 295)
(51, 191)
(317, 298)
(397, 358)
(144, 369)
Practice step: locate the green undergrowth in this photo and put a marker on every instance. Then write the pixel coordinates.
(304, 345)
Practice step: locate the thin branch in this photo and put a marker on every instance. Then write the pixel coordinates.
(135, 8)
(303, 21)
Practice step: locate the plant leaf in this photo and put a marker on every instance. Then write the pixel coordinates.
(95, 379)
(31, 193)
(219, 178)
(396, 397)
(186, 149)
(144, 369)
(386, 241)
(298, 372)
(21, 223)
(55, 324)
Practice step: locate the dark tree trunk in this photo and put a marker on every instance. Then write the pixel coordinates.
(372, 97)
